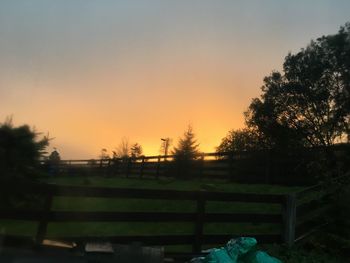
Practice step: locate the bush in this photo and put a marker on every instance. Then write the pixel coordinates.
(20, 150)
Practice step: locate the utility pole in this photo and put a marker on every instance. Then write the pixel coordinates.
(166, 144)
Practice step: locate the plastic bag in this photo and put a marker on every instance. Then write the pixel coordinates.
(240, 250)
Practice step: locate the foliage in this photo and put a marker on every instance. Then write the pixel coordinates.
(104, 154)
(307, 105)
(20, 154)
(20, 150)
(185, 153)
(126, 150)
(123, 149)
(54, 157)
(136, 150)
(187, 146)
(242, 140)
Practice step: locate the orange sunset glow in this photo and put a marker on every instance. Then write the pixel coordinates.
(92, 72)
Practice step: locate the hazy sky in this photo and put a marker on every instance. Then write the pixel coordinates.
(92, 72)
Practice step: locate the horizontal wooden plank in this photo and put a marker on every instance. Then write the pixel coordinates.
(173, 239)
(335, 182)
(147, 240)
(16, 241)
(216, 174)
(244, 197)
(213, 168)
(21, 215)
(243, 218)
(76, 191)
(56, 216)
(61, 216)
(308, 207)
(307, 228)
(81, 191)
(310, 219)
(122, 216)
(262, 239)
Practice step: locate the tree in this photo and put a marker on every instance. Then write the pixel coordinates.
(20, 150)
(53, 162)
(104, 154)
(185, 153)
(307, 104)
(54, 157)
(187, 146)
(136, 150)
(242, 140)
(123, 149)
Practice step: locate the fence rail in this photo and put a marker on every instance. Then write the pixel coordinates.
(313, 205)
(199, 217)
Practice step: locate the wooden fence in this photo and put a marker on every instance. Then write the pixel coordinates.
(285, 218)
(310, 208)
(311, 214)
(268, 167)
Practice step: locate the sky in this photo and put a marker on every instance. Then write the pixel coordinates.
(90, 73)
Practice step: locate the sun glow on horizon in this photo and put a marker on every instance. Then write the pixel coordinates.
(91, 73)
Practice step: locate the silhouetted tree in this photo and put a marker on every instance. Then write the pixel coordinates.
(53, 162)
(307, 104)
(242, 140)
(104, 154)
(55, 156)
(92, 162)
(123, 149)
(20, 150)
(187, 146)
(186, 153)
(136, 150)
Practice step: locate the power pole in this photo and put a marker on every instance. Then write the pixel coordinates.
(166, 144)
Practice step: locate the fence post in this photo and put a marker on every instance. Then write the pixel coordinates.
(158, 167)
(128, 164)
(200, 213)
(109, 166)
(202, 167)
(116, 166)
(142, 166)
(289, 219)
(42, 227)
